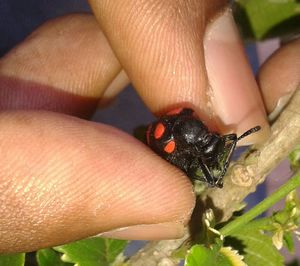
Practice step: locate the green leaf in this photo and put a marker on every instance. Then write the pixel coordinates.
(289, 242)
(294, 158)
(200, 255)
(49, 257)
(92, 252)
(267, 18)
(12, 260)
(256, 247)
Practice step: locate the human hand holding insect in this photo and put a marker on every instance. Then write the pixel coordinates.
(64, 178)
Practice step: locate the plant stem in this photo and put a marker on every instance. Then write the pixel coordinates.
(261, 207)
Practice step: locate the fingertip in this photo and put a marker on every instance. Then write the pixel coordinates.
(77, 179)
(162, 57)
(279, 77)
(234, 92)
(65, 65)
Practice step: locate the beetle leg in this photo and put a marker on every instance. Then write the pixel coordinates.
(230, 144)
(230, 137)
(207, 176)
(230, 141)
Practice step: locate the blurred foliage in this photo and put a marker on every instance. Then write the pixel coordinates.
(261, 19)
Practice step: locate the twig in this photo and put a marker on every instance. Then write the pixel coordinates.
(253, 166)
(263, 206)
(242, 178)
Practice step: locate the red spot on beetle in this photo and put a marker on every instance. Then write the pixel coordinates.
(170, 147)
(159, 131)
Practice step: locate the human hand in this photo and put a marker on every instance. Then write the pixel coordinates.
(64, 178)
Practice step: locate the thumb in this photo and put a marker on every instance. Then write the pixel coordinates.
(63, 179)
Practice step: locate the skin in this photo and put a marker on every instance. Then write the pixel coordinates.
(63, 178)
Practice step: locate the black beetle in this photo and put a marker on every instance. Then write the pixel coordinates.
(183, 140)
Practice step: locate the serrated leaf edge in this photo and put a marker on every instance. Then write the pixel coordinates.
(65, 258)
(233, 255)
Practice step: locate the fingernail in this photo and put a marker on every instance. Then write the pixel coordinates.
(281, 104)
(234, 93)
(147, 232)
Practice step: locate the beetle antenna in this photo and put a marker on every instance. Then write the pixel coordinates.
(248, 132)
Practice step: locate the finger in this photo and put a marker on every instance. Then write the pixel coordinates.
(279, 77)
(160, 46)
(63, 179)
(65, 65)
(235, 95)
(116, 86)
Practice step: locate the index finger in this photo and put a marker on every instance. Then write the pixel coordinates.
(161, 47)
